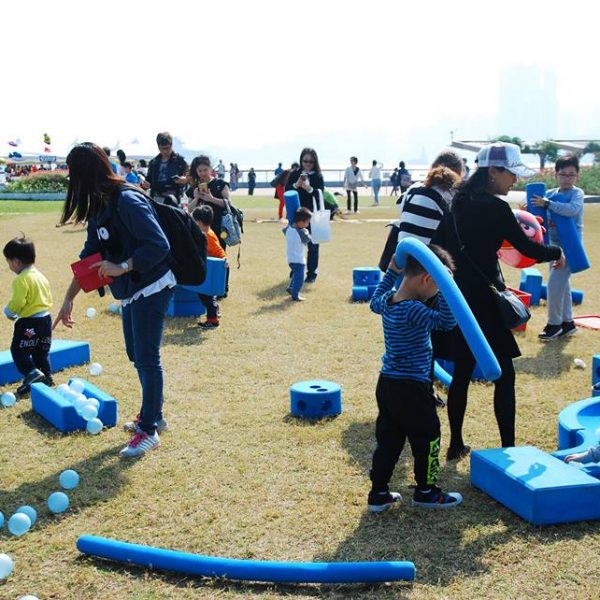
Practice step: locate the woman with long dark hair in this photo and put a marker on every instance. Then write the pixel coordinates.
(482, 221)
(122, 226)
(307, 181)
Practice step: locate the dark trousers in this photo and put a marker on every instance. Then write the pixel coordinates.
(210, 303)
(406, 410)
(250, 190)
(31, 345)
(312, 261)
(143, 322)
(504, 399)
(355, 193)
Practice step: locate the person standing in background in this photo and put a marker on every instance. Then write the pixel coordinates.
(352, 176)
(404, 177)
(375, 177)
(251, 181)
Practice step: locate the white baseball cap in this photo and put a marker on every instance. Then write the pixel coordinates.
(501, 154)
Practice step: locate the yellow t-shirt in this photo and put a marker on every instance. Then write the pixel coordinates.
(30, 293)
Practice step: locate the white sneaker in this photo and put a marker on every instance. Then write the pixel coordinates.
(139, 444)
(131, 426)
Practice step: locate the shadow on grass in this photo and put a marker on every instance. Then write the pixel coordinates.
(102, 476)
(274, 292)
(443, 544)
(37, 422)
(184, 331)
(550, 361)
(291, 419)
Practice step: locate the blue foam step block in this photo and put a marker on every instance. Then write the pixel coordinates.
(537, 486)
(216, 277)
(58, 411)
(360, 293)
(63, 354)
(315, 399)
(366, 276)
(576, 295)
(185, 309)
(531, 282)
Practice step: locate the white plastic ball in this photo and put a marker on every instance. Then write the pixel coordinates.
(6, 566)
(19, 524)
(77, 386)
(68, 479)
(80, 403)
(94, 426)
(29, 511)
(28, 597)
(95, 369)
(113, 308)
(90, 313)
(8, 399)
(579, 364)
(58, 502)
(62, 389)
(94, 402)
(89, 412)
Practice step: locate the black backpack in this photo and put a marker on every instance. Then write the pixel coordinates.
(188, 243)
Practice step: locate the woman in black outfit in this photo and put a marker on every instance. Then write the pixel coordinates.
(483, 221)
(307, 181)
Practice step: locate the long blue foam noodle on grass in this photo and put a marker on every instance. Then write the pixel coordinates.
(245, 570)
(458, 305)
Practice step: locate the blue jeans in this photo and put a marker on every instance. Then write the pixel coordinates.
(143, 322)
(297, 280)
(376, 185)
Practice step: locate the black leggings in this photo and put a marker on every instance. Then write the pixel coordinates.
(504, 400)
(348, 192)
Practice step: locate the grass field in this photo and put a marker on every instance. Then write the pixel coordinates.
(236, 476)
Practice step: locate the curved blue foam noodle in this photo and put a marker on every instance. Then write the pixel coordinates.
(245, 570)
(571, 244)
(441, 374)
(460, 309)
(292, 204)
(538, 188)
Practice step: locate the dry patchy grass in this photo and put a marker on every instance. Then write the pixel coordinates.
(237, 477)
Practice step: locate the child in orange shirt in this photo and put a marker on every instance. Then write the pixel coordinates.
(203, 215)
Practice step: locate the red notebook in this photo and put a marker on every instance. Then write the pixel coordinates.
(88, 279)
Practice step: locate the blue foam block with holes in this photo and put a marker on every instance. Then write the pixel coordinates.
(366, 276)
(537, 486)
(63, 354)
(62, 414)
(214, 283)
(315, 399)
(531, 282)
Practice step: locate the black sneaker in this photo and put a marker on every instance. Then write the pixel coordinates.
(34, 376)
(381, 501)
(551, 332)
(208, 324)
(568, 328)
(434, 497)
(457, 453)
(310, 279)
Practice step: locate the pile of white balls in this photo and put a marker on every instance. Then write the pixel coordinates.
(86, 408)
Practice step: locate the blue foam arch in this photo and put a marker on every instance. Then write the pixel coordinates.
(479, 346)
(245, 570)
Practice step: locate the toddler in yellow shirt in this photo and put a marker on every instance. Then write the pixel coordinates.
(29, 307)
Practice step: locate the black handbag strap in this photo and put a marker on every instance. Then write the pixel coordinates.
(463, 249)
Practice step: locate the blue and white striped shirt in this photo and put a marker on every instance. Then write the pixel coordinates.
(407, 327)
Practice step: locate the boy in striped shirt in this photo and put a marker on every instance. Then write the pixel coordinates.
(407, 405)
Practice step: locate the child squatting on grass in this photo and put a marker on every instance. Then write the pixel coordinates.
(29, 307)
(405, 398)
(297, 237)
(203, 215)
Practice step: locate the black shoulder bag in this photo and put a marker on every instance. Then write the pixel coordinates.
(512, 310)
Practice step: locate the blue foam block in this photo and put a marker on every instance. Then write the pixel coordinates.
(245, 570)
(62, 414)
(576, 295)
(292, 204)
(63, 354)
(360, 293)
(531, 282)
(108, 410)
(540, 488)
(366, 276)
(216, 276)
(315, 399)
(538, 188)
(595, 369)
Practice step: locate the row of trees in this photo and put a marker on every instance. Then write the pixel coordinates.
(548, 150)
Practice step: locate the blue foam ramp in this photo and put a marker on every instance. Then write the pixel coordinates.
(531, 282)
(62, 414)
(216, 276)
(366, 276)
(540, 488)
(315, 399)
(245, 570)
(292, 204)
(63, 354)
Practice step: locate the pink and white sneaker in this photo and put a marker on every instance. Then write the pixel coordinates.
(139, 444)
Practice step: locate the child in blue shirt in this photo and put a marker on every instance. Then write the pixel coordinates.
(405, 398)
(565, 200)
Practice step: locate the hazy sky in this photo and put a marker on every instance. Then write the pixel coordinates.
(239, 76)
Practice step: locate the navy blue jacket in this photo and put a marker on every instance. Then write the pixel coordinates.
(176, 165)
(127, 228)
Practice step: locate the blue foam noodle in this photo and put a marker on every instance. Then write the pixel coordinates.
(460, 309)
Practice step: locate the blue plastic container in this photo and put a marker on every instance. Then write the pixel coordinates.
(538, 189)
(315, 399)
